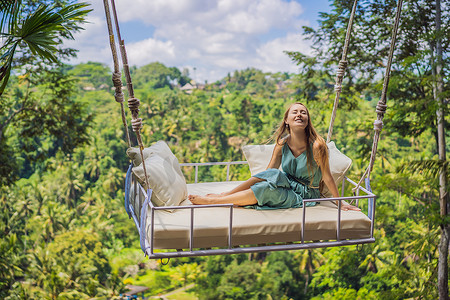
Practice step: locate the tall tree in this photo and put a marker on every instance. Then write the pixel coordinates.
(443, 193)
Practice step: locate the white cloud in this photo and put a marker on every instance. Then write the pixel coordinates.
(92, 42)
(216, 37)
(271, 56)
(259, 17)
(149, 49)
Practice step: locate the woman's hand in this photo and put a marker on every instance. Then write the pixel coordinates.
(349, 207)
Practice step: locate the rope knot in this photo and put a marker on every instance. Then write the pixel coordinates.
(381, 108)
(133, 104)
(337, 88)
(340, 74)
(341, 69)
(117, 79)
(378, 125)
(136, 124)
(118, 95)
(343, 64)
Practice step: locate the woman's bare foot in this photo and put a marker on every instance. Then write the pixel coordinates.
(198, 199)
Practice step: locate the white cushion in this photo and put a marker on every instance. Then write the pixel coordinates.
(161, 148)
(164, 175)
(258, 157)
(339, 166)
(251, 226)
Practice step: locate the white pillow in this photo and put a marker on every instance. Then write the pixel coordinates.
(258, 157)
(160, 147)
(164, 175)
(339, 166)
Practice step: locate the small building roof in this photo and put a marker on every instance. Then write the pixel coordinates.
(187, 86)
(135, 289)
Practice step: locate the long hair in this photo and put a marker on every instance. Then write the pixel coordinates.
(320, 149)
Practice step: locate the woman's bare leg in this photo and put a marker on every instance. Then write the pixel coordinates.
(242, 187)
(241, 198)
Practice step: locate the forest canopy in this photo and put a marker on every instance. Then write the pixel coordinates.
(65, 234)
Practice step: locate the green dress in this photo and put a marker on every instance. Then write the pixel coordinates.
(287, 189)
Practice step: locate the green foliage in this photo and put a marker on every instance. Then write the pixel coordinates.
(72, 265)
(9, 168)
(345, 293)
(8, 264)
(38, 32)
(40, 118)
(64, 231)
(156, 76)
(92, 75)
(40, 100)
(77, 189)
(281, 277)
(240, 281)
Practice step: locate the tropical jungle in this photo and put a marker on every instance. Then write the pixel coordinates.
(64, 230)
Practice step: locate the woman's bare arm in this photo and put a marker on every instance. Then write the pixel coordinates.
(329, 181)
(275, 161)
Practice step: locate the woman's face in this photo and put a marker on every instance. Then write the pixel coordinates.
(297, 116)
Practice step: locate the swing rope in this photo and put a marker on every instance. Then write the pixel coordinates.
(341, 71)
(382, 106)
(117, 75)
(133, 102)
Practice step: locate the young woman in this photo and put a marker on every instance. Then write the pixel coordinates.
(303, 155)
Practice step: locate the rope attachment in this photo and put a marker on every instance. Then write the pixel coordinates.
(341, 71)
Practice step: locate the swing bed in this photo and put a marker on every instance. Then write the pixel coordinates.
(200, 230)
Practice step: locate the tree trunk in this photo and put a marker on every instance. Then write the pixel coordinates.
(443, 196)
(443, 264)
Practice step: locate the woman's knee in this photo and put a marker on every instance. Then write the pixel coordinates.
(254, 180)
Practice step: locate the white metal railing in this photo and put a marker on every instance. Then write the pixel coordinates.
(228, 164)
(148, 246)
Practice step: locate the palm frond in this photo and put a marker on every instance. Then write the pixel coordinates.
(9, 10)
(41, 31)
(5, 69)
(430, 167)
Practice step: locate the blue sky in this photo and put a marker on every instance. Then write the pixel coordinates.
(214, 37)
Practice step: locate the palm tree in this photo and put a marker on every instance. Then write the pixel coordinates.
(185, 272)
(112, 181)
(37, 193)
(378, 255)
(72, 184)
(377, 259)
(92, 163)
(54, 219)
(310, 260)
(37, 32)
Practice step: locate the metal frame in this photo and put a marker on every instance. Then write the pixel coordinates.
(228, 164)
(148, 246)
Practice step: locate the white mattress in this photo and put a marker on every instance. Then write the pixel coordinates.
(250, 226)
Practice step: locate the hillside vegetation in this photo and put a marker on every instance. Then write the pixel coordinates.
(65, 233)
